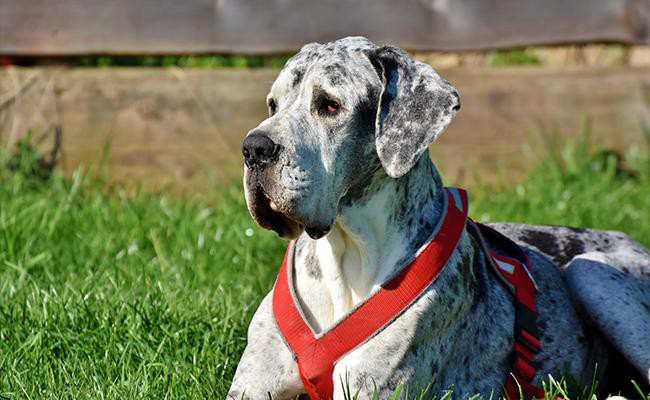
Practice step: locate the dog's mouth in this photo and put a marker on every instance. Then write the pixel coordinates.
(270, 216)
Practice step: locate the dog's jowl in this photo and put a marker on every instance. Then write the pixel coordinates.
(341, 169)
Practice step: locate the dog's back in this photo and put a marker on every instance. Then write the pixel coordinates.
(608, 277)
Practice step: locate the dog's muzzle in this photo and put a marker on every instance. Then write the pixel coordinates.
(271, 216)
(259, 153)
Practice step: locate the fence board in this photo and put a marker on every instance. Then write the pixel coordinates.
(73, 27)
(185, 128)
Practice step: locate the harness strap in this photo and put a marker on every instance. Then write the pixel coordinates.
(514, 272)
(316, 354)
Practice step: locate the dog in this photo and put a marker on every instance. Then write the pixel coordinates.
(341, 168)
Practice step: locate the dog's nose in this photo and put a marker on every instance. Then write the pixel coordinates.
(259, 150)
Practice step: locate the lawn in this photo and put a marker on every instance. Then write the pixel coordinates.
(109, 294)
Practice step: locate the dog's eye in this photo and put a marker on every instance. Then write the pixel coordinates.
(272, 107)
(328, 107)
(331, 106)
(325, 105)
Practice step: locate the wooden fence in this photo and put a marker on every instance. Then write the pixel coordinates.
(185, 127)
(170, 126)
(75, 27)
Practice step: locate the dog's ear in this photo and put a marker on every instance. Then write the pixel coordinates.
(415, 106)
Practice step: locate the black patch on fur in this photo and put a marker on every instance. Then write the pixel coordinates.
(336, 74)
(366, 110)
(573, 247)
(343, 54)
(312, 56)
(313, 269)
(297, 76)
(546, 243)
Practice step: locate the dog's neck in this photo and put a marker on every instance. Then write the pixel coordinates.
(377, 232)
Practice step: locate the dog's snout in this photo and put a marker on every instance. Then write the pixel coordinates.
(259, 150)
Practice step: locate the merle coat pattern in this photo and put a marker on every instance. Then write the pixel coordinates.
(341, 166)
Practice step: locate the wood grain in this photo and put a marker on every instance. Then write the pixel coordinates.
(74, 27)
(184, 128)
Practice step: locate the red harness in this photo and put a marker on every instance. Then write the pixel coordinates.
(316, 355)
(514, 272)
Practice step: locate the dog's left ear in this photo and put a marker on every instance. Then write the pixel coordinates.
(415, 106)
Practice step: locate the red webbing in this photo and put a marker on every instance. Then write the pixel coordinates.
(526, 344)
(316, 357)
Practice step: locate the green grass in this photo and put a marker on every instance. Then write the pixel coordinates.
(187, 61)
(578, 186)
(513, 57)
(105, 294)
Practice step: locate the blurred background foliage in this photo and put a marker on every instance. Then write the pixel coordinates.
(587, 54)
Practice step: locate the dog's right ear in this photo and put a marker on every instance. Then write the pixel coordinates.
(415, 106)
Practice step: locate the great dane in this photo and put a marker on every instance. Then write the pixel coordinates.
(341, 167)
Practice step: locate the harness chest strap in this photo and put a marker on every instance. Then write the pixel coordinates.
(316, 355)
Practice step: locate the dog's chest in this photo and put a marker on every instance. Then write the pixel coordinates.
(444, 326)
(329, 284)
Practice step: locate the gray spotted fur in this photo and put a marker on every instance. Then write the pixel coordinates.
(459, 332)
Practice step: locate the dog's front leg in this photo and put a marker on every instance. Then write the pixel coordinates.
(267, 368)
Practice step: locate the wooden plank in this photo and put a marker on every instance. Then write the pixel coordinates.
(73, 27)
(169, 127)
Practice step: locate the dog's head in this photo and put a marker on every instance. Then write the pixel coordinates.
(339, 113)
